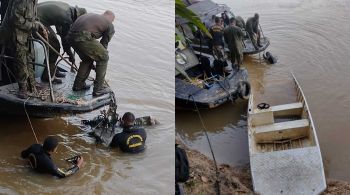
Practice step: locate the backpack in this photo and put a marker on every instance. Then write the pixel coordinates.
(182, 172)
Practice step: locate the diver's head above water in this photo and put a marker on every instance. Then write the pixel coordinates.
(50, 144)
(128, 119)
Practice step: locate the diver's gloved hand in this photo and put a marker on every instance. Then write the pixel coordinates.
(80, 162)
(74, 159)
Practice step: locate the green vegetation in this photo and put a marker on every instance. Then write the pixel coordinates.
(182, 11)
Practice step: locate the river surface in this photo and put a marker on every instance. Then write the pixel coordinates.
(309, 38)
(141, 73)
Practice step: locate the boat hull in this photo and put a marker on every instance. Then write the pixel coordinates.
(247, 50)
(67, 100)
(287, 168)
(188, 96)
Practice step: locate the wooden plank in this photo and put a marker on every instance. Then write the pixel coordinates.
(283, 130)
(292, 109)
(262, 117)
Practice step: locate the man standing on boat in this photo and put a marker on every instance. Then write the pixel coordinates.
(39, 157)
(18, 24)
(132, 139)
(61, 15)
(240, 22)
(216, 32)
(252, 28)
(82, 37)
(234, 38)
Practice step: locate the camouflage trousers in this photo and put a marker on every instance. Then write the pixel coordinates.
(54, 42)
(89, 51)
(23, 51)
(219, 52)
(254, 37)
(236, 56)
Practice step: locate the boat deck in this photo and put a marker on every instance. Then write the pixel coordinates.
(295, 171)
(40, 104)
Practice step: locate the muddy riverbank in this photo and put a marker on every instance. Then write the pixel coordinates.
(233, 180)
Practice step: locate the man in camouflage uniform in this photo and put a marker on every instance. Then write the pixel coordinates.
(17, 27)
(61, 15)
(233, 37)
(82, 36)
(217, 42)
(252, 28)
(240, 22)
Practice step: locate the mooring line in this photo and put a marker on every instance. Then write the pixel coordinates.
(210, 146)
(30, 122)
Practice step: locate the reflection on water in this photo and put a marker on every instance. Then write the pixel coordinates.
(226, 129)
(139, 72)
(309, 38)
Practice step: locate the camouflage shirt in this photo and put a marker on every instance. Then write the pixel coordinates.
(97, 25)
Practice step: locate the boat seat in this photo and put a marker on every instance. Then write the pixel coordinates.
(293, 109)
(262, 117)
(281, 131)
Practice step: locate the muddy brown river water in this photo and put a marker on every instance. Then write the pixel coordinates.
(309, 38)
(141, 74)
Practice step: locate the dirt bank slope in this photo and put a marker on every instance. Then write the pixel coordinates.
(233, 180)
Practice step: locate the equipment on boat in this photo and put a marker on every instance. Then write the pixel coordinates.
(210, 86)
(50, 100)
(285, 157)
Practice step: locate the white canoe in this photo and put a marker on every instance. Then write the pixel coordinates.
(285, 157)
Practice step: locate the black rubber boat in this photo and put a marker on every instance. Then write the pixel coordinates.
(198, 83)
(205, 10)
(66, 101)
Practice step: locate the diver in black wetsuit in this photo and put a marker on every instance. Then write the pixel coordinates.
(39, 157)
(132, 139)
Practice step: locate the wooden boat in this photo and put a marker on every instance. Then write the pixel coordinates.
(285, 157)
(205, 10)
(41, 104)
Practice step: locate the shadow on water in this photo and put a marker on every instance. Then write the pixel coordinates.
(227, 129)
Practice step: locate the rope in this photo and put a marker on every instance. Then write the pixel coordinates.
(31, 126)
(217, 184)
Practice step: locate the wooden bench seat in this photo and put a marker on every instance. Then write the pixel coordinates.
(293, 109)
(280, 131)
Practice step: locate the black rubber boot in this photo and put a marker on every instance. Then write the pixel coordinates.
(101, 91)
(22, 91)
(82, 88)
(82, 75)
